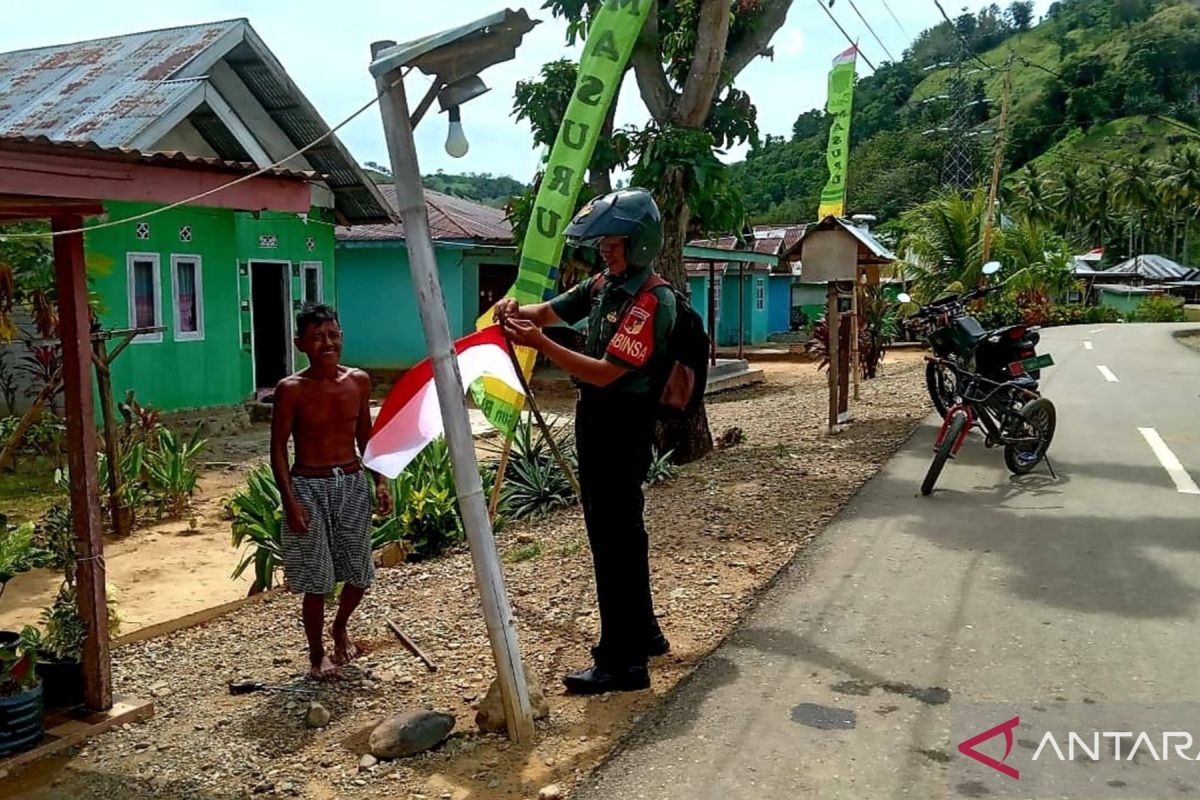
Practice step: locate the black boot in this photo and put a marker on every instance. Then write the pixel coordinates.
(602, 680)
(658, 645)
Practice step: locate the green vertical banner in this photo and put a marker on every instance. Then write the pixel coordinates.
(839, 106)
(610, 41)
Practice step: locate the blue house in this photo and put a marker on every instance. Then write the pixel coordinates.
(739, 279)
(477, 263)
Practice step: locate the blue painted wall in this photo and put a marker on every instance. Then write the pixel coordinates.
(754, 307)
(378, 307)
(779, 304)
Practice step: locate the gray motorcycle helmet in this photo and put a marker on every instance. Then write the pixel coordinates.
(629, 213)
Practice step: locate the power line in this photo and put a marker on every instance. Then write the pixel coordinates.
(194, 198)
(887, 52)
(966, 45)
(853, 43)
(897, 19)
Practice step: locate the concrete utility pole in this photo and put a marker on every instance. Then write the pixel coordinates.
(410, 196)
(997, 164)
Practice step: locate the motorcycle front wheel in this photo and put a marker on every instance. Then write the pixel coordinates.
(942, 453)
(1040, 420)
(943, 387)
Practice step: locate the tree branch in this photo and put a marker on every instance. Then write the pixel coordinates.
(652, 81)
(704, 76)
(772, 15)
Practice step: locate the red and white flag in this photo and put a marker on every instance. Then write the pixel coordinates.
(411, 417)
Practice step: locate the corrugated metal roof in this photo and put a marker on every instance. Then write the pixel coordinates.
(174, 158)
(108, 91)
(105, 90)
(874, 247)
(1151, 267)
(450, 219)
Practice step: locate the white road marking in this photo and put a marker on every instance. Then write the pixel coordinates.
(1107, 373)
(1183, 481)
(1087, 345)
(1098, 330)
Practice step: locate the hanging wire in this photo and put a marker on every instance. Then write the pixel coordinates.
(884, 47)
(897, 19)
(849, 39)
(187, 201)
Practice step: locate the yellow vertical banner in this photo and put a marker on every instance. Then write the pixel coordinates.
(839, 106)
(610, 41)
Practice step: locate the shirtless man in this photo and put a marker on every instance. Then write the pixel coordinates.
(325, 410)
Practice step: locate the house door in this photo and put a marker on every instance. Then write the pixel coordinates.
(494, 282)
(270, 292)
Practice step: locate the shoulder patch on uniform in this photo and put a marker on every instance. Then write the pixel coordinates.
(633, 342)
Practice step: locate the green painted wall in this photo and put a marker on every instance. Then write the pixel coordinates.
(1127, 304)
(173, 374)
(378, 307)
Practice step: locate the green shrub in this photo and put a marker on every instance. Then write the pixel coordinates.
(999, 312)
(1160, 308)
(535, 483)
(171, 467)
(662, 469)
(527, 553)
(257, 513)
(1101, 314)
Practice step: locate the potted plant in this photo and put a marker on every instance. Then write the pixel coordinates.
(18, 553)
(20, 693)
(59, 665)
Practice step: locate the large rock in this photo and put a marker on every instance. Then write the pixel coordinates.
(490, 716)
(410, 733)
(317, 716)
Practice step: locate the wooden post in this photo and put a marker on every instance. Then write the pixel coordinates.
(410, 206)
(997, 165)
(741, 306)
(832, 318)
(120, 521)
(712, 309)
(74, 325)
(855, 327)
(845, 348)
(494, 501)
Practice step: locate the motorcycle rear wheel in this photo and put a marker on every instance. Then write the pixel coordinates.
(942, 453)
(1040, 420)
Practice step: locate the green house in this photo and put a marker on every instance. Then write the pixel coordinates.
(477, 263)
(217, 288)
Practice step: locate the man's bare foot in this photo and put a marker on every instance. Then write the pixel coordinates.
(344, 648)
(325, 671)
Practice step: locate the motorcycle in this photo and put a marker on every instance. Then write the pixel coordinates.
(957, 338)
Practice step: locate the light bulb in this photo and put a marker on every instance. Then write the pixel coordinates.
(456, 141)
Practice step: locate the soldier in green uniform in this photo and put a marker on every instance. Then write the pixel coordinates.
(630, 311)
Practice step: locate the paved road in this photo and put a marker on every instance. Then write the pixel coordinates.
(993, 590)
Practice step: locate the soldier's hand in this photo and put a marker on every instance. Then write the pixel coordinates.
(506, 309)
(524, 333)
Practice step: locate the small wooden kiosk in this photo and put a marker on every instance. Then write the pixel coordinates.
(845, 257)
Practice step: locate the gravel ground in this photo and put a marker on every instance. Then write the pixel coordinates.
(719, 533)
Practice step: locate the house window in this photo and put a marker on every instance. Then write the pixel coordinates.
(187, 289)
(760, 293)
(310, 271)
(145, 294)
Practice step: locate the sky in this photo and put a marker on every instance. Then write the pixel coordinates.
(325, 47)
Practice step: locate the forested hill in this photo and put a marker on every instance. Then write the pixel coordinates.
(1115, 80)
(482, 187)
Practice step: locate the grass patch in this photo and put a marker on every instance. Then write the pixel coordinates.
(571, 549)
(26, 493)
(527, 553)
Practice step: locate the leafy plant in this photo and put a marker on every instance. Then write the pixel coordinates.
(879, 326)
(18, 661)
(423, 501)
(662, 469)
(65, 630)
(172, 470)
(535, 484)
(46, 436)
(257, 512)
(1160, 308)
(141, 423)
(19, 553)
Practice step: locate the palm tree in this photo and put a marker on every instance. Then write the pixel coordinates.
(1037, 262)
(1030, 195)
(1101, 191)
(1181, 187)
(1138, 200)
(943, 242)
(1069, 195)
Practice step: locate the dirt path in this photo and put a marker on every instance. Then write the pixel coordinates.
(719, 533)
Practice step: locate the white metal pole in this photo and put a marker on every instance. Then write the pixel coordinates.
(410, 195)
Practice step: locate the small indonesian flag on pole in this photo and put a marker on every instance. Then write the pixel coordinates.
(846, 56)
(411, 417)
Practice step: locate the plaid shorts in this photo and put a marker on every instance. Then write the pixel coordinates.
(337, 546)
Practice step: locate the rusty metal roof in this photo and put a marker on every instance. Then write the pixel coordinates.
(450, 219)
(109, 91)
(43, 144)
